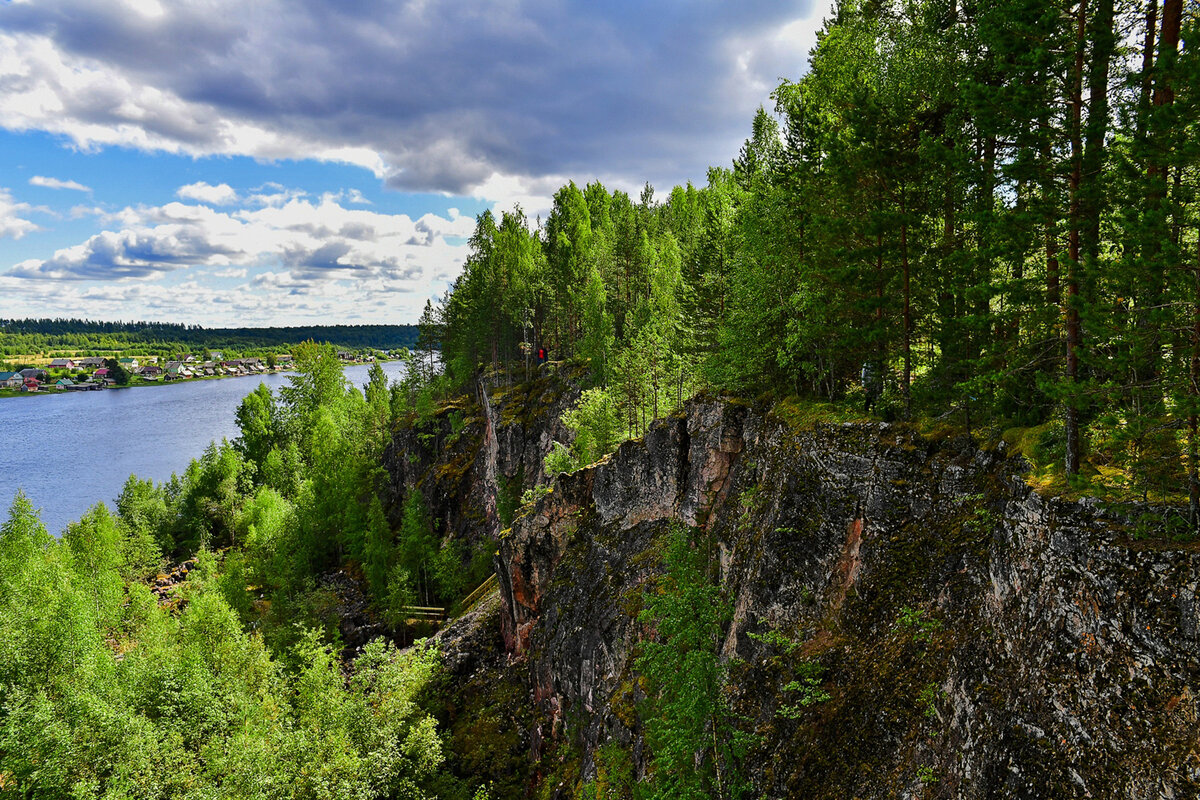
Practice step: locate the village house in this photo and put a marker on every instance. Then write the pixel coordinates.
(130, 364)
(31, 385)
(36, 373)
(11, 380)
(150, 371)
(90, 362)
(62, 363)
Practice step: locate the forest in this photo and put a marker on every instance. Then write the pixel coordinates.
(979, 214)
(982, 216)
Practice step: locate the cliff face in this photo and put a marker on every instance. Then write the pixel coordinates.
(472, 458)
(974, 639)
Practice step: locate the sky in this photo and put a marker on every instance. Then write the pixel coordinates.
(289, 162)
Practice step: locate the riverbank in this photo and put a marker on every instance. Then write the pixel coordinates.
(50, 389)
(91, 444)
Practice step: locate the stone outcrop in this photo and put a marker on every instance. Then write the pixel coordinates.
(472, 458)
(975, 639)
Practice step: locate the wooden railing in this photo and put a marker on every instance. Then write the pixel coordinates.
(425, 613)
(474, 597)
(436, 614)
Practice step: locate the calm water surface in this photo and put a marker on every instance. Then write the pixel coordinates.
(69, 451)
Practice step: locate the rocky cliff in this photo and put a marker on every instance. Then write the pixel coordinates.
(974, 639)
(472, 459)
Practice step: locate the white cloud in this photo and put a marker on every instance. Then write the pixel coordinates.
(55, 183)
(351, 196)
(219, 195)
(274, 194)
(12, 223)
(534, 196)
(336, 257)
(80, 211)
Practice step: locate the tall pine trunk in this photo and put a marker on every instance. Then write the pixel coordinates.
(1103, 45)
(907, 309)
(1194, 393)
(1071, 417)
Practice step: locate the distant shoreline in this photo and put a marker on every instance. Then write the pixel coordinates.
(52, 391)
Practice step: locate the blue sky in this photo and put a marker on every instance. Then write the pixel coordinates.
(270, 163)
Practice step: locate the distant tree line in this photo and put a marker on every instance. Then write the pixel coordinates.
(24, 336)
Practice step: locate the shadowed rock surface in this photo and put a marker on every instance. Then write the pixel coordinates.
(975, 639)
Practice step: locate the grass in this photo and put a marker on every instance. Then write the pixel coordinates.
(802, 414)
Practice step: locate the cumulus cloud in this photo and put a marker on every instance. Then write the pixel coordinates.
(224, 305)
(12, 221)
(219, 195)
(332, 254)
(55, 183)
(274, 194)
(463, 98)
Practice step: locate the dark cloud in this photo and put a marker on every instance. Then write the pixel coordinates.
(306, 262)
(446, 93)
(357, 230)
(128, 254)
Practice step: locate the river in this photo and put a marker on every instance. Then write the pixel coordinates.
(69, 451)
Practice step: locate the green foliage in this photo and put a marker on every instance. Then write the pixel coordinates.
(614, 775)
(107, 694)
(449, 573)
(258, 419)
(71, 337)
(416, 546)
(378, 556)
(594, 422)
(928, 700)
(118, 373)
(208, 498)
(400, 596)
(921, 201)
(317, 383)
(534, 494)
(749, 500)
(775, 639)
(805, 689)
(557, 461)
(687, 724)
(147, 512)
(597, 432)
(923, 627)
(508, 498)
